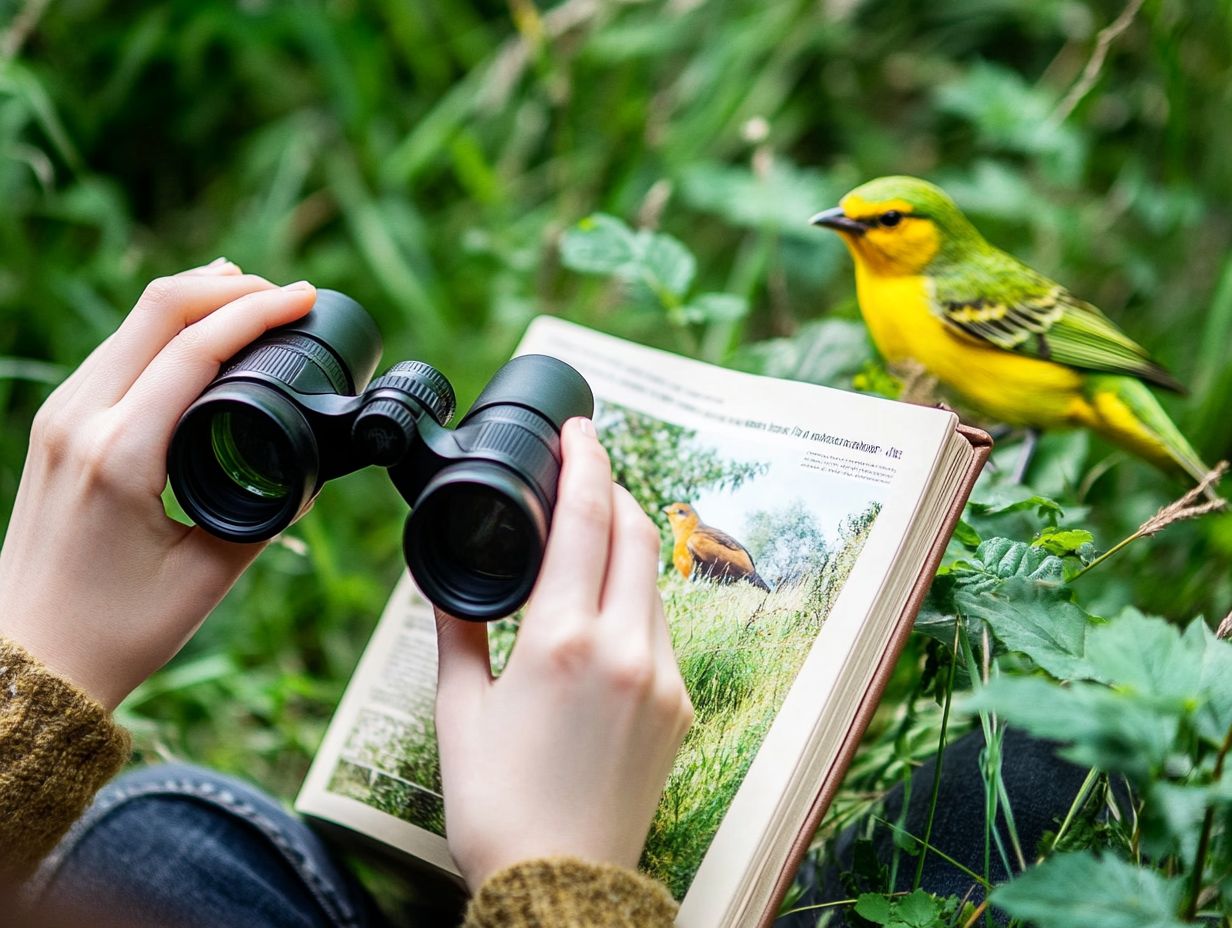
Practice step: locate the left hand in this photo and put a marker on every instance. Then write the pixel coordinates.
(95, 580)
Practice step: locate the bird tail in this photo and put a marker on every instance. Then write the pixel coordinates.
(757, 581)
(1128, 415)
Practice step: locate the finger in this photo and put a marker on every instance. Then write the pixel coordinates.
(167, 307)
(633, 567)
(185, 367)
(464, 668)
(575, 561)
(217, 266)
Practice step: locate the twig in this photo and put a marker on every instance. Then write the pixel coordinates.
(1225, 627)
(1090, 74)
(1187, 507)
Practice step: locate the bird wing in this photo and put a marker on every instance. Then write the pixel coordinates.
(1016, 309)
(718, 552)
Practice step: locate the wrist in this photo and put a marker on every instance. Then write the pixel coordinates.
(39, 640)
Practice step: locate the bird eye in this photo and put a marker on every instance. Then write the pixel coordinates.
(891, 217)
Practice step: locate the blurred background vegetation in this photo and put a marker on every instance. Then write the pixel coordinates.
(427, 158)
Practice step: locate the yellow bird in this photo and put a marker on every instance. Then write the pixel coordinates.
(1010, 342)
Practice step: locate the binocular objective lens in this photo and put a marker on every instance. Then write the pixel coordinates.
(484, 535)
(252, 455)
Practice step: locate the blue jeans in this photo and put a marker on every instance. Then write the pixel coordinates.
(182, 846)
(186, 847)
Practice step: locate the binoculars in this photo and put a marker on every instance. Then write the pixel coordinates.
(295, 409)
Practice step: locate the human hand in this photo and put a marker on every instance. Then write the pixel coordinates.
(567, 752)
(95, 580)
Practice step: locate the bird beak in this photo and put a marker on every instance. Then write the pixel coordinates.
(836, 219)
(665, 510)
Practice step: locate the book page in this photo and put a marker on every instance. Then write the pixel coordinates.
(781, 506)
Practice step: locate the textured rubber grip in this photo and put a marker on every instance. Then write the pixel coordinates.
(287, 358)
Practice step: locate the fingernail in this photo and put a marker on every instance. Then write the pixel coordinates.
(298, 285)
(586, 427)
(218, 261)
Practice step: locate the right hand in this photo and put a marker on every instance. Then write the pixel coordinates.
(567, 752)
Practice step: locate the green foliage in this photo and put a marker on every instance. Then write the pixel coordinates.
(915, 910)
(435, 160)
(1084, 891)
(660, 269)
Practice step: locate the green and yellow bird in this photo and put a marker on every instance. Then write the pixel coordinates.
(1013, 344)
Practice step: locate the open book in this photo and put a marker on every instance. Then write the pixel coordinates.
(801, 527)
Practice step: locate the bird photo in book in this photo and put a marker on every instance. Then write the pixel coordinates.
(703, 552)
(1009, 341)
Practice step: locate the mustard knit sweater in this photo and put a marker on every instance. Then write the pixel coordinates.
(58, 747)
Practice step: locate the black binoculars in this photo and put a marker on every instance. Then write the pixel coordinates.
(295, 408)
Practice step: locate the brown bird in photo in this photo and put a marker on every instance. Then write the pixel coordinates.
(703, 551)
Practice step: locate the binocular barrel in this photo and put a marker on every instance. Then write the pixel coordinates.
(295, 409)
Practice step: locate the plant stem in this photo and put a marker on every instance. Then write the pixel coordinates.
(1204, 842)
(1124, 542)
(936, 791)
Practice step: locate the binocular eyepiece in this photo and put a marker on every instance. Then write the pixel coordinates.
(295, 409)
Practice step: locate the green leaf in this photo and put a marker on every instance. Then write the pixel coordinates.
(1100, 727)
(1147, 657)
(918, 909)
(1083, 891)
(1062, 541)
(1020, 592)
(966, 535)
(718, 307)
(668, 263)
(1003, 500)
(828, 351)
(874, 907)
(599, 244)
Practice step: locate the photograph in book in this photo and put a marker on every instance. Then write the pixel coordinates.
(756, 545)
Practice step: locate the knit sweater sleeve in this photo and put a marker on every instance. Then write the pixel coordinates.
(563, 892)
(57, 749)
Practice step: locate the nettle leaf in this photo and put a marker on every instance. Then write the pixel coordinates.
(1020, 591)
(1147, 657)
(603, 244)
(599, 244)
(1099, 726)
(1214, 717)
(1083, 891)
(664, 260)
(1171, 818)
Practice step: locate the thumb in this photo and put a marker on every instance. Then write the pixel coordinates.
(464, 670)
